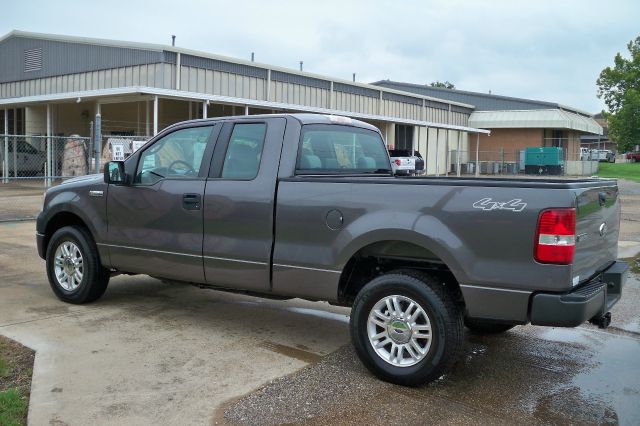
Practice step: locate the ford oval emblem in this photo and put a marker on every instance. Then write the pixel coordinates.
(603, 229)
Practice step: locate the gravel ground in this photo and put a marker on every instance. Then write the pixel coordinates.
(526, 376)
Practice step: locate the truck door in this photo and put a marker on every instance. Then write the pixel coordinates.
(155, 223)
(239, 204)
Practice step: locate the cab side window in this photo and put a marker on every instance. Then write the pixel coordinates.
(177, 155)
(242, 160)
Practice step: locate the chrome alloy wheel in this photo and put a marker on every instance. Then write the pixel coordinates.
(399, 331)
(68, 266)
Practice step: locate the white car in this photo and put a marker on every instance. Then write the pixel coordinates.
(402, 162)
(603, 155)
(27, 159)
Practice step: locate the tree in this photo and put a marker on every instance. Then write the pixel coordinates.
(446, 84)
(619, 86)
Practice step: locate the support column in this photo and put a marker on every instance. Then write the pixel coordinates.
(425, 154)
(447, 157)
(155, 114)
(437, 152)
(477, 154)
(49, 150)
(246, 110)
(138, 118)
(458, 154)
(6, 147)
(205, 104)
(391, 135)
(97, 144)
(14, 131)
(148, 119)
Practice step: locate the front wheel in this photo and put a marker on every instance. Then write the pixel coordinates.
(73, 266)
(406, 328)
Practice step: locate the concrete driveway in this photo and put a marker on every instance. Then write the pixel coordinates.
(149, 352)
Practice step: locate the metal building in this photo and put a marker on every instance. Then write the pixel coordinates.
(517, 123)
(53, 85)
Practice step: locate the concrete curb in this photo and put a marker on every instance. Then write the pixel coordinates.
(628, 249)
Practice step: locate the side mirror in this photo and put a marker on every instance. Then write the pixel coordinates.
(114, 173)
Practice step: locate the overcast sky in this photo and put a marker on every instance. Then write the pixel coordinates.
(538, 49)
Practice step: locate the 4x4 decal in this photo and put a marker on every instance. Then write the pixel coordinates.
(488, 204)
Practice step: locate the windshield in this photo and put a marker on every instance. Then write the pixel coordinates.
(335, 149)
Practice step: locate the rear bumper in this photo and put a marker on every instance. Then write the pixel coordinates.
(591, 300)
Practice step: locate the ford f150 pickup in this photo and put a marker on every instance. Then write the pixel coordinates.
(302, 205)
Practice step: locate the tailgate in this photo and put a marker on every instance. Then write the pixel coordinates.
(405, 163)
(597, 230)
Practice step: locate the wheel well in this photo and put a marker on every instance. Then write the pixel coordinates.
(60, 220)
(386, 256)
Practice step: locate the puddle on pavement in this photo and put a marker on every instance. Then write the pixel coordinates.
(527, 376)
(615, 377)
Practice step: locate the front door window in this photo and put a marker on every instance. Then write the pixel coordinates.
(177, 155)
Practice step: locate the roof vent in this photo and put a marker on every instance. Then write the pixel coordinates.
(32, 60)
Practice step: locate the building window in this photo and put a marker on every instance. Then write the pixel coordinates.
(32, 60)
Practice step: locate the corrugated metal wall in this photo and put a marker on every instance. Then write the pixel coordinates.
(75, 67)
(61, 58)
(151, 75)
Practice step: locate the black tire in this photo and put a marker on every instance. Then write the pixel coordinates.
(94, 276)
(443, 312)
(633, 159)
(485, 327)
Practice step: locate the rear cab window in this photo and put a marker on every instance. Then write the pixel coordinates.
(338, 149)
(244, 152)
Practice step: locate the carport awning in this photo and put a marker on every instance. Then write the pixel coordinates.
(535, 118)
(193, 96)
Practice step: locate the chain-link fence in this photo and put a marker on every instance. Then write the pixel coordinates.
(42, 157)
(515, 162)
(53, 158)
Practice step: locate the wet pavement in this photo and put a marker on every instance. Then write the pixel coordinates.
(529, 375)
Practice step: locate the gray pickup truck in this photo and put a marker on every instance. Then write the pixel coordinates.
(302, 205)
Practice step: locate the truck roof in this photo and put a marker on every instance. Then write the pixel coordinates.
(304, 118)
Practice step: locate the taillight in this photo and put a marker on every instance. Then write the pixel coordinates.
(556, 236)
(398, 162)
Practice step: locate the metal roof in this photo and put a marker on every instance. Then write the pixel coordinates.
(173, 49)
(539, 118)
(180, 94)
(482, 101)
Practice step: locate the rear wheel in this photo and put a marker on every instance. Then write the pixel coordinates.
(406, 328)
(73, 266)
(486, 327)
(633, 159)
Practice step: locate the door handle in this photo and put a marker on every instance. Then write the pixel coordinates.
(191, 201)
